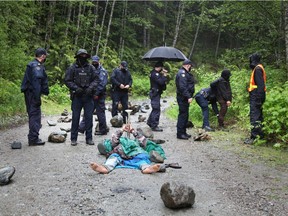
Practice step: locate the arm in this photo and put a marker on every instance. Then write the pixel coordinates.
(259, 80)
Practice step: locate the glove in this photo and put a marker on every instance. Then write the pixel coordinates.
(95, 97)
(79, 91)
(89, 91)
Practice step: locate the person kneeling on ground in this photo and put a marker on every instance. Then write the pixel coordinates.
(129, 153)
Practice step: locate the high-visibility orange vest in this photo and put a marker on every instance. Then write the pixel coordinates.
(252, 85)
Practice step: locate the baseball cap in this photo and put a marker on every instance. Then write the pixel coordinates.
(124, 64)
(187, 62)
(95, 58)
(40, 51)
(159, 64)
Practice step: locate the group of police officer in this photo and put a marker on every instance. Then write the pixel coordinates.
(87, 84)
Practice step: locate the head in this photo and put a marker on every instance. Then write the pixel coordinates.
(124, 65)
(41, 54)
(187, 64)
(254, 60)
(226, 74)
(159, 66)
(81, 56)
(95, 61)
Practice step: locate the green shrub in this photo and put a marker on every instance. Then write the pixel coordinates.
(275, 113)
(11, 99)
(59, 94)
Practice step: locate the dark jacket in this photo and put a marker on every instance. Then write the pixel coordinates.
(81, 77)
(103, 80)
(35, 79)
(223, 89)
(157, 81)
(185, 83)
(119, 77)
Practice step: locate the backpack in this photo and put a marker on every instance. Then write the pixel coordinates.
(214, 86)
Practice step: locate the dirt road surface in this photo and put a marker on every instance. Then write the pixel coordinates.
(55, 179)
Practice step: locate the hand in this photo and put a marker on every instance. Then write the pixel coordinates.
(89, 91)
(126, 87)
(190, 100)
(228, 103)
(95, 97)
(79, 91)
(122, 86)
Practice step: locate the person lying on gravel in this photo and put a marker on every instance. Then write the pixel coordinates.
(123, 152)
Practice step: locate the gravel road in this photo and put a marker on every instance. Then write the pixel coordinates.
(55, 179)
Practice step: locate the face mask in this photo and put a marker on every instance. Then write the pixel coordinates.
(96, 65)
(82, 60)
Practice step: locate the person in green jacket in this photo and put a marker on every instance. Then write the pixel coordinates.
(129, 153)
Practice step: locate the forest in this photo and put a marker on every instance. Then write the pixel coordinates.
(213, 34)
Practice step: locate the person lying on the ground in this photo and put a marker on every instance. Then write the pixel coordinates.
(129, 153)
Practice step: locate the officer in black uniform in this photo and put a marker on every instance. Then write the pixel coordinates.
(185, 90)
(121, 81)
(81, 78)
(203, 98)
(158, 81)
(35, 83)
(99, 98)
(257, 93)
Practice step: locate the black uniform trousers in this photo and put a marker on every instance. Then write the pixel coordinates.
(256, 115)
(153, 120)
(122, 97)
(183, 115)
(33, 109)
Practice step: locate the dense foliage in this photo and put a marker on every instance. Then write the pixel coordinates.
(214, 34)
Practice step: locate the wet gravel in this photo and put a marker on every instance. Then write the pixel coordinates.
(55, 179)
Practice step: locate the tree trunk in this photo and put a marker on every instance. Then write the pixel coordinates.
(123, 29)
(93, 48)
(197, 31)
(164, 24)
(50, 22)
(178, 22)
(68, 18)
(78, 24)
(101, 28)
(218, 39)
(108, 28)
(286, 37)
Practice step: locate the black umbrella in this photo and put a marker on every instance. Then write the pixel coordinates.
(164, 53)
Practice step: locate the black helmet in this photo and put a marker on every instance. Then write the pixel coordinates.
(82, 51)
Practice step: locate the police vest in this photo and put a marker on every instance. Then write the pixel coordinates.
(252, 85)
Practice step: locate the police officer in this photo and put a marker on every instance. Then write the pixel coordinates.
(99, 98)
(35, 83)
(158, 81)
(185, 90)
(203, 98)
(257, 93)
(81, 79)
(121, 81)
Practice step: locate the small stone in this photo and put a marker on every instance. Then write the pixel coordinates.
(6, 174)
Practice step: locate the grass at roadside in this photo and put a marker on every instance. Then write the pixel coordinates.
(233, 141)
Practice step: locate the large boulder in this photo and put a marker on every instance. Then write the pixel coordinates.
(177, 195)
(6, 174)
